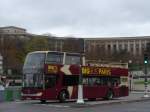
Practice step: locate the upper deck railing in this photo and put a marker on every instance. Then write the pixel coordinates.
(106, 64)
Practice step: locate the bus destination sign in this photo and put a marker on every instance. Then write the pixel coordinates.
(52, 69)
(96, 71)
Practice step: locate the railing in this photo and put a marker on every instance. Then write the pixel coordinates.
(106, 64)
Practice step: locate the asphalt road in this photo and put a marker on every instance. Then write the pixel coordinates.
(142, 106)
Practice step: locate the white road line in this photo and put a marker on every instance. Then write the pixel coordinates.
(49, 105)
(54, 105)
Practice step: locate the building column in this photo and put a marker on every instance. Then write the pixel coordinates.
(111, 47)
(129, 46)
(134, 47)
(117, 46)
(140, 47)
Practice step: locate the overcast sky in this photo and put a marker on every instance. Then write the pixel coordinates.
(90, 18)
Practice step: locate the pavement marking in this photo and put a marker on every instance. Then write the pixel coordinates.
(140, 92)
(54, 105)
(49, 105)
(26, 102)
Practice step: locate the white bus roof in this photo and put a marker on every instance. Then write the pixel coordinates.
(53, 52)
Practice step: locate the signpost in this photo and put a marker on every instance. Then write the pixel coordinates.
(1, 64)
(80, 99)
(145, 72)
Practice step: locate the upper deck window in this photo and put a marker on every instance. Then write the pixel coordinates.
(54, 58)
(73, 59)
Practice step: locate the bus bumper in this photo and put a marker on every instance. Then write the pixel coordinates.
(36, 96)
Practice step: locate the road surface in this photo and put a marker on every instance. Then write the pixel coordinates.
(19, 106)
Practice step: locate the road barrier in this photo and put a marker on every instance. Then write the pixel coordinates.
(2, 96)
(10, 94)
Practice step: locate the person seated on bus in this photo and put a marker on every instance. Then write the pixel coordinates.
(109, 84)
(116, 83)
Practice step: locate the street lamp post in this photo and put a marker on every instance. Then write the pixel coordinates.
(80, 99)
(130, 75)
(1, 64)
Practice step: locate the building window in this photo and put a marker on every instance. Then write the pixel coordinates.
(137, 45)
(109, 47)
(114, 47)
(120, 46)
(103, 46)
(143, 44)
(131, 47)
(137, 50)
(126, 46)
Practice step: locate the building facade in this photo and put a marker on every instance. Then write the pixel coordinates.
(129, 49)
(95, 48)
(12, 30)
(134, 45)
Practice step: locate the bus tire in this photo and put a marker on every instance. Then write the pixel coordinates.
(62, 96)
(92, 99)
(43, 101)
(109, 95)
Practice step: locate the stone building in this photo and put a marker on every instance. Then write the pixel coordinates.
(95, 48)
(134, 45)
(106, 48)
(109, 47)
(12, 30)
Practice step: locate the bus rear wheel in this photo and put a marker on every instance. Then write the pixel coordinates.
(43, 101)
(62, 96)
(92, 99)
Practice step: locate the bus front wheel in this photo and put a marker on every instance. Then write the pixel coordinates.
(62, 96)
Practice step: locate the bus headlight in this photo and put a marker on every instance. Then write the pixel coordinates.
(39, 94)
(22, 94)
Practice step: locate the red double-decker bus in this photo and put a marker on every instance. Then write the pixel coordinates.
(50, 75)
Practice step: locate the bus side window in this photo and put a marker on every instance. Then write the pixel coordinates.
(115, 81)
(103, 81)
(98, 81)
(85, 81)
(92, 81)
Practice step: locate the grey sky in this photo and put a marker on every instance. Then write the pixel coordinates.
(91, 18)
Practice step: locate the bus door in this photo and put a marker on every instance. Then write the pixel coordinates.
(50, 87)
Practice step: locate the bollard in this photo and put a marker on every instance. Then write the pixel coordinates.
(8, 95)
(16, 93)
(2, 96)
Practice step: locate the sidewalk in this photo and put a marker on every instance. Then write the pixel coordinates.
(133, 97)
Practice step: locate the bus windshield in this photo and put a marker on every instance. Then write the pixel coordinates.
(33, 80)
(35, 60)
(33, 70)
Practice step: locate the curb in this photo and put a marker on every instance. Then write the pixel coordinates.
(109, 103)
